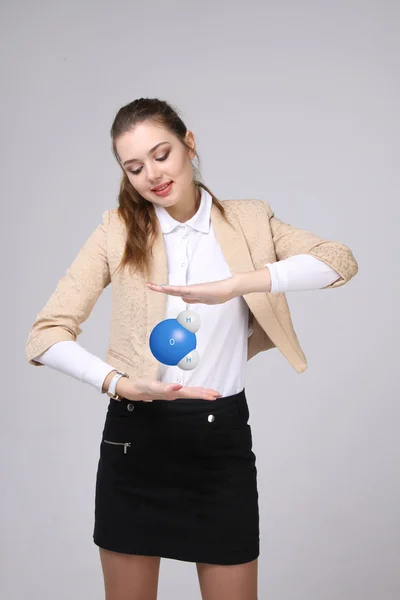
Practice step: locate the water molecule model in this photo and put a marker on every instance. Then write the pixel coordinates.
(173, 341)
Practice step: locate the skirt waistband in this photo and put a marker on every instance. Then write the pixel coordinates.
(233, 405)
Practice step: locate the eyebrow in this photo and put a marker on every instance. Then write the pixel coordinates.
(127, 162)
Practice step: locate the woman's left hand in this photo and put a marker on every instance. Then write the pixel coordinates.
(214, 292)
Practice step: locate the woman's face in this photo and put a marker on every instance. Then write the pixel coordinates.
(148, 167)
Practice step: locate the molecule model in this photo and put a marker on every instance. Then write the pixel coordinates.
(173, 341)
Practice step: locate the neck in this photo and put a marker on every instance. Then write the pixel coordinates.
(187, 208)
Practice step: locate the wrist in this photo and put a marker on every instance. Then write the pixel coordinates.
(123, 387)
(107, 380)
(112, 385)
(252, 281)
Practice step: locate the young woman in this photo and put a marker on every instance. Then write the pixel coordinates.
(177, 475)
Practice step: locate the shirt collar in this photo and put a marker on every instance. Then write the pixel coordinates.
(200, 221)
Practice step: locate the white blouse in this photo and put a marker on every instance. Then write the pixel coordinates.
(194, 256)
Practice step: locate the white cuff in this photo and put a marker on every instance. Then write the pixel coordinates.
(300, 272)
(70, 358)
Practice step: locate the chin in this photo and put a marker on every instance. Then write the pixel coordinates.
(168, 204)
(168, 201)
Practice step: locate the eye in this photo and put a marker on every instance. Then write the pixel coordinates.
(160, 159)
(163, 157)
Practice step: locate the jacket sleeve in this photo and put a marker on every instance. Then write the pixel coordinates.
(289, 240)
(74, 297)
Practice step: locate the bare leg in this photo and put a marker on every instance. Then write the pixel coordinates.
(129, 576)
(236, 582)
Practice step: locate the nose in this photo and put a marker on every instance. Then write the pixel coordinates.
(153, 175)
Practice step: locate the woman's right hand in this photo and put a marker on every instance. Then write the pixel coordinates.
(150, 389)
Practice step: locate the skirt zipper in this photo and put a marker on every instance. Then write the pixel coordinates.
(124, 444)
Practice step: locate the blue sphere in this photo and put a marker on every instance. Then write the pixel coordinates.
(170, 342)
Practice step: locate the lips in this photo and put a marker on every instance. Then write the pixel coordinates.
(159, 187)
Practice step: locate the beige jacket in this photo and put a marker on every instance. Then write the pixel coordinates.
(257, 237)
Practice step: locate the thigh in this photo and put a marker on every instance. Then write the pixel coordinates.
(236, 582)
(129, 576)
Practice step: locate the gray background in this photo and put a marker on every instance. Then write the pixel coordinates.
(295, 103)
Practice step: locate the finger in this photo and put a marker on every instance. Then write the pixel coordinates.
(171, 289)
(202, 396)
(171, 387)
(186, 290)
(211, 397)
(169, 292)
(208, 393)
(160, 389)
(191, 301)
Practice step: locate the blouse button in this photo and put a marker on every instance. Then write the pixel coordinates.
(211, 418)
(130, 406)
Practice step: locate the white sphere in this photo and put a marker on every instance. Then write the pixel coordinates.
(190, 361)
(190, 320)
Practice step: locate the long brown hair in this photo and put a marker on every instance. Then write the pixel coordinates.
(137, 213)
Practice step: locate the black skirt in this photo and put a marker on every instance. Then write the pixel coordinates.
(178, 479)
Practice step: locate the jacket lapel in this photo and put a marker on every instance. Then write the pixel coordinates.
(262, 305)
(237, 255)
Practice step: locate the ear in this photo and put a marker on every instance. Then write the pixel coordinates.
(189, 138)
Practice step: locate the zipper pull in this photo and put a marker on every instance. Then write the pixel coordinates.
(126, 447)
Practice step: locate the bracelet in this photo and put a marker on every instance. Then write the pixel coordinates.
(113, 383)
